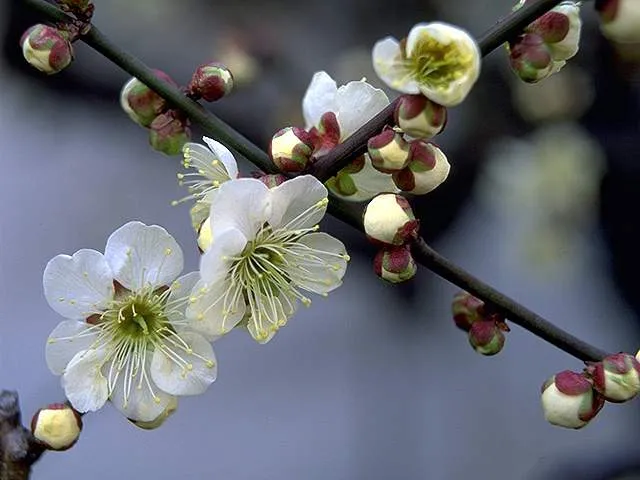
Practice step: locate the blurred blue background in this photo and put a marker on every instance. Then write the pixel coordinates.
(374, 382)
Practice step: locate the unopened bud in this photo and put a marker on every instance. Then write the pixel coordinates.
(141, 103)
(291, 149)
(389, 220)
(168, 133)
(57, 426)
(530, 58)
(486, 337)
(569, 400)
(46, 48)
(211, 81)
(419, 117)
(467, 310)
(389, 152)
(171, 407)
(395, 264)
(617, 377)
(620, 20)
(561, 30)
(428, 168)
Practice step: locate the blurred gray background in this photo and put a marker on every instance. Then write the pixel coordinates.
(374, 382)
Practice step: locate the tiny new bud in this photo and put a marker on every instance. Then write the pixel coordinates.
(168, 133)
(141, 103)
(56, 426)
(486, 337)
(617, 377)
(211, 81)
(467, 310)
(291, 149)
(620, 20)
(569, 400)
(530, 58)
(171, 407)
(389, 152)
(428, 168)
(389, 220)
(395, 264)
(46, 48)
(419, 117)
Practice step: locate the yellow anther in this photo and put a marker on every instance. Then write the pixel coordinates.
(190, 366)
(215, 162)
(156, 399)
(168, 251)
(200, 316)
(210, 364)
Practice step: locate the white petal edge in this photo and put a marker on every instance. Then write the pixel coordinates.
(216, 262)
(79, 285)
(142, 255)
(319, 98)
(83, 382)
(191, 379)
(356, 104)
(223, 154)
(386, 56)
(65, 341)
(178, 298)
(293, 198)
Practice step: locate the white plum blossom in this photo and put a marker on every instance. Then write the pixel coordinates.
(352, 105)
(438, 60)
(210, 167)
(125, 337)
(265, 251)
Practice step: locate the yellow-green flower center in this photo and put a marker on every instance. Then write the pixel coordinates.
(438, 64)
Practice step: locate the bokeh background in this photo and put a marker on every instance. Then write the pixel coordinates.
(374, 382)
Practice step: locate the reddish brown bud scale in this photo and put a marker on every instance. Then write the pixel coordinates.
(419, 117)
(466, 310)
(395, 264)
(616, 377)
(552, 27)
(486, 338)
(169, 132)
(211, 82)
(572, 383)
(291, 149)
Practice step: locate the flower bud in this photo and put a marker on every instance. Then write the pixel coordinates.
(171, 407)
(530, 58)
(486, 337)
(272, 180)
(568, 400)
(141, 103)
(211, 81)
(291, 149)
(428, 168)
(562, 34)
(467, 310)
(389, 152)
(620, 20)
(46, 48)
(168, 133)
(389, 220)
(419, 117)
(57, 426)
(395, 264)
(617, 377)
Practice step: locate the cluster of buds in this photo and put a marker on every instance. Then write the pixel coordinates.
(391, 225)
(485, 328)
(620, 20)
(572, 399)
(47, 48)
(546, 44)
(56, 426)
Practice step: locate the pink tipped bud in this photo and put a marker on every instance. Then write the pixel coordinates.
(530, 58)
(291, 149)
(486, 337)
(395, 264)
(141, 103)
(428, 168)
(617, 377)
(561, 31)
(569, 400)
(211, 81)
(56, 426)
(419, 117)
(467, 310)
(169, 132)
(46, 48)
(389, 220)
(389, 152)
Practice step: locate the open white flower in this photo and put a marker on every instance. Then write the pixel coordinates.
(437, 59)
(126, 338)
(351, 105)
(210, 168)
(265, 252)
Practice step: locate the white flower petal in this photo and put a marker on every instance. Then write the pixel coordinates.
(83, 382)
(369, 182)
(298, 203)
(191, 378)
(211, 312)
(142, 255)
(65, 341)
(78, 286)
(177, 299)
(319, 98)
(357, 103)
(144, 401)
(223, 154)
(242, 204)
(216, 261)
(322, 270)
(388, 65)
